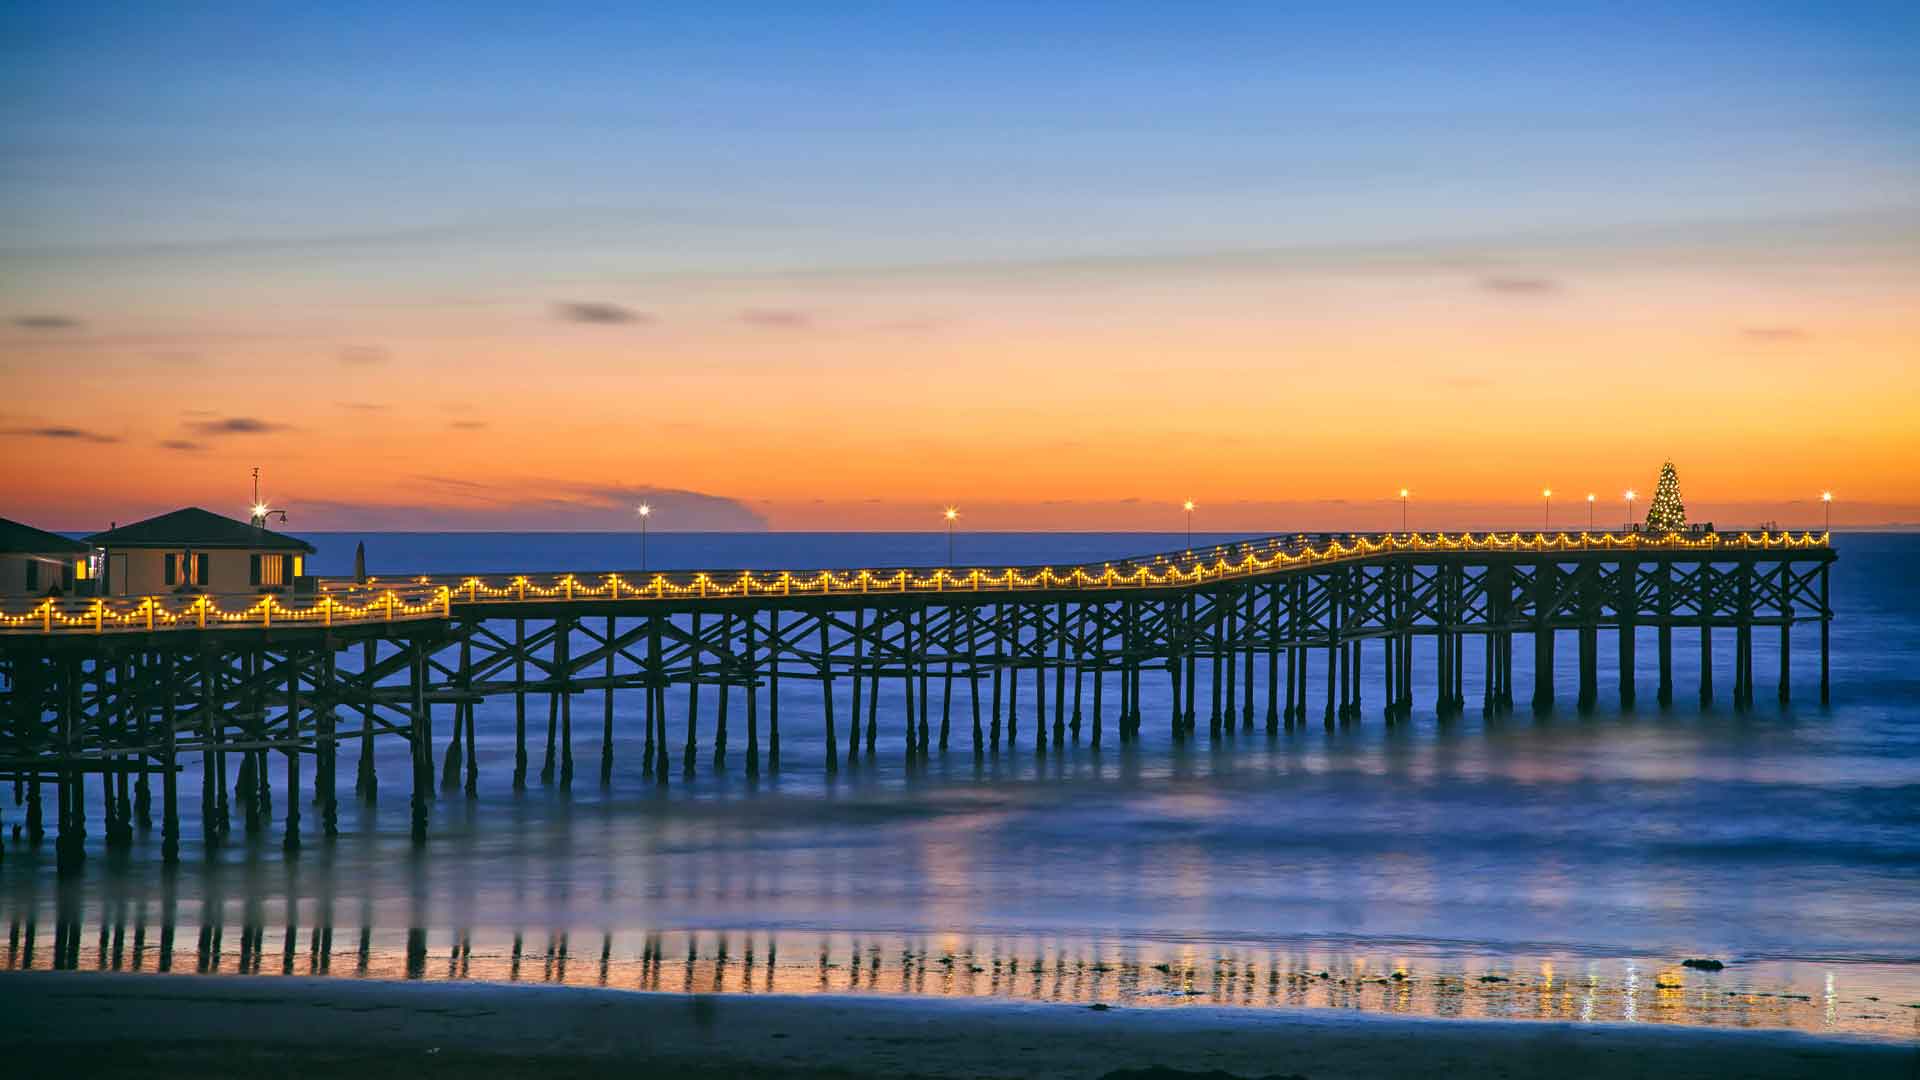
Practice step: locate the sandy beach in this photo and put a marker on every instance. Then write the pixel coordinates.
(100, 1024)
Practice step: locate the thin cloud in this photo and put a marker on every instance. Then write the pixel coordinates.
(46, 322)
(237, 425)
(776, 319)
(595, 312)
(364, 356)
(1776, 335)
(468, 425)
(56, 431)
(183, 445)
(361, 406)
(1519, 285)
(909, 326)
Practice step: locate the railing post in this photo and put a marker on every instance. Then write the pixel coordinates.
(446, 602)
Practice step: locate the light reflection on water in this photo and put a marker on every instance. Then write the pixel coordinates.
(1069, 970)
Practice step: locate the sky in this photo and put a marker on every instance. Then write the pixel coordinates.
(1064, 266)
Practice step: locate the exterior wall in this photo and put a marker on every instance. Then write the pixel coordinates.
(55, 569)
(228, 571)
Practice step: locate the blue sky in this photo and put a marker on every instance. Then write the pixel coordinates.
(934, 132)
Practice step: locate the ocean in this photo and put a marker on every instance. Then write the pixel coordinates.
(1556, 867)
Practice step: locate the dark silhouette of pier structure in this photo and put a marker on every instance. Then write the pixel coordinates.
(1262, 635)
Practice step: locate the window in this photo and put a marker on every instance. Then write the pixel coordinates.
(173, 569)
(270, 569)
(199, 569)
(33, 574)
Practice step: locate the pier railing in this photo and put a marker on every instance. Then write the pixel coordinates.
(346, 601)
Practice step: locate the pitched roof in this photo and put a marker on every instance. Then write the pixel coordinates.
(16, 538)
(197, 528)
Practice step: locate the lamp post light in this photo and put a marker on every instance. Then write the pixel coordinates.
(952, 515)
(1590, 498)
(1826, 500)
(1403, 509)
(1188, 506)
(1546, 517)
(1630, 522)
(645, 512)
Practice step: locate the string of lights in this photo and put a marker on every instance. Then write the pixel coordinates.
(435, 597)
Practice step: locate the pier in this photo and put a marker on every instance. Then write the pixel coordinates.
(113, 695)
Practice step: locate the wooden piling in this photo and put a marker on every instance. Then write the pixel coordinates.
(826, 697)
(169, 760)
(753, 694)
(520, 705)
(290, 840)
(417, 739)
(726, 686)
(606, 707)
(773, 690)
(1706, 660)
(1826, 626)
(327, 762)
(973, 673)
(698, 646)
(1545, 575)
(856, 673)
(563, 659)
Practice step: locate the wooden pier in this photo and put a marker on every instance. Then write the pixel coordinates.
(1265, 634)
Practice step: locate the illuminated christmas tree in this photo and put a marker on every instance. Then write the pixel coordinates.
(1668, 513)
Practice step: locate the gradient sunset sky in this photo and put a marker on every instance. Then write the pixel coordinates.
(823, 266)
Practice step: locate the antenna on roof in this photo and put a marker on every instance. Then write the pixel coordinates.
(261, 511)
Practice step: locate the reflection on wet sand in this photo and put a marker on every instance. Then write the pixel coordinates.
(1073, 970)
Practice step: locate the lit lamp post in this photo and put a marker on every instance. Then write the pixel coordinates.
(1403, 509)
(1826, 500)
(953, 514)
(1630, 522)
(1589, 511)
(1546, 518)
(645, 512)
(1189, 509)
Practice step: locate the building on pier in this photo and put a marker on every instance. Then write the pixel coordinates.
(195, 550)
(35, 562)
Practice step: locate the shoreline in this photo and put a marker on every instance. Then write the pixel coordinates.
(101, 1023)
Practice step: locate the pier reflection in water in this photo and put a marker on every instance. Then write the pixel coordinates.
(1083, 971)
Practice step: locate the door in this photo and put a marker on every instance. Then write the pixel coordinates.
(117, 574)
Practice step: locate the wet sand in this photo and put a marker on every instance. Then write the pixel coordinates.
(71, 1024)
